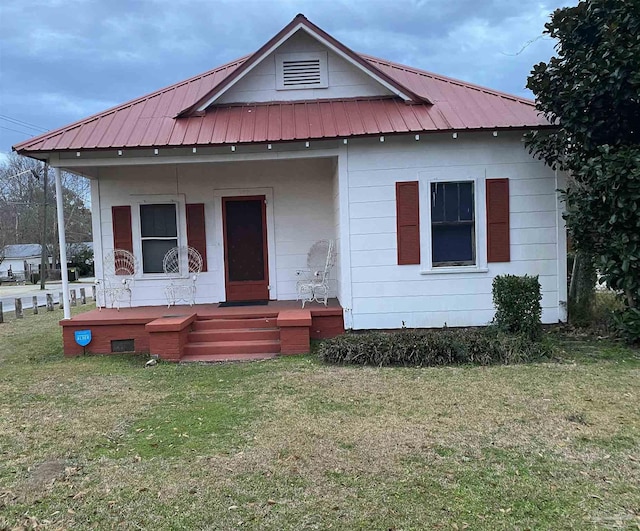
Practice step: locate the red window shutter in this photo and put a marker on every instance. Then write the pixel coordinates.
(408, 222)
(196, 235)
(498, 244)
(122, 237)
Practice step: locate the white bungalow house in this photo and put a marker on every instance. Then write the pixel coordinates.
(422, 181)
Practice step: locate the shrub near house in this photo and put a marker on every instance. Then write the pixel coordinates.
(513, 339)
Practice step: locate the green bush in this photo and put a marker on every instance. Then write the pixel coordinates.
(628, 323)
(606, 304)
(517, 301)
(418, 348)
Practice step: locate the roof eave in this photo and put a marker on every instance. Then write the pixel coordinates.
(46, 153)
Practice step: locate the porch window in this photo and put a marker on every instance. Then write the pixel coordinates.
(453, 224)
(159, 233)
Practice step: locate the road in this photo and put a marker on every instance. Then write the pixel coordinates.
(8, 294)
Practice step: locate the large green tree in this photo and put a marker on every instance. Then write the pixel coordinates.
(591, 90)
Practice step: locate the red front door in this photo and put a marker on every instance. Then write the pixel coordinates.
(246, 265)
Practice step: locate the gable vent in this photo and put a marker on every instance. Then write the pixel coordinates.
(301, 70)
(296, 73)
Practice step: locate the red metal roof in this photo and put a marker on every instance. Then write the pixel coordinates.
(151, 121)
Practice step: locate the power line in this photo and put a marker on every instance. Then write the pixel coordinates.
(16, 131)
(22, 123)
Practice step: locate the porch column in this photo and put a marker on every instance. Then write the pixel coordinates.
(345, 237)
(62, 240)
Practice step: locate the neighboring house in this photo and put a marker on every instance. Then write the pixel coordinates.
(20, 260)
(423, 182)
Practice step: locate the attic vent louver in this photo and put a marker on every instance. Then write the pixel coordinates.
(295, 73)
(301, 70)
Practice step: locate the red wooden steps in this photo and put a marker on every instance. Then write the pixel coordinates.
(246, 323)
(235, 339)
(234, 334)
(233, 347)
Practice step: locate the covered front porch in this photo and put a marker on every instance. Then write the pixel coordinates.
(252, 221)
(205, 332)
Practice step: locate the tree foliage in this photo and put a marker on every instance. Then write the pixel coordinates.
(21, 197)
(591, 91)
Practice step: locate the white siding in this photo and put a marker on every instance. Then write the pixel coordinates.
(386, 295)
(303, 207)
(345, 80)
(351, 198)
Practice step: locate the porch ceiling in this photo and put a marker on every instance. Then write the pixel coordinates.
(89, 164)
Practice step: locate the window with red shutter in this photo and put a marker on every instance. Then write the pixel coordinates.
(498, 243)
(196, 233)
(408, 222)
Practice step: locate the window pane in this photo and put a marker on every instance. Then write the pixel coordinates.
(437, 201)
(452, 243)
(153, 252)
(466, 201)
(158, 221)
(451, 202)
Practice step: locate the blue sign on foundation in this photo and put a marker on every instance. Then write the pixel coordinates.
(83, 337)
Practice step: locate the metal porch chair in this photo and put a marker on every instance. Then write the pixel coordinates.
(181, 288)
(314, 281)
(119, 268)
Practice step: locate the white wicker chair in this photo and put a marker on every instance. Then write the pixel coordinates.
(314, 281)
(119, 268)
(181, 288)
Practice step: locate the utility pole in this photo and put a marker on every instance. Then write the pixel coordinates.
(43, 244)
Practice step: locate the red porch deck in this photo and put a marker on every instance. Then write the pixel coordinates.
(206, 332)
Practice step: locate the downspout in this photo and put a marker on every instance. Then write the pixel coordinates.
(62, 240)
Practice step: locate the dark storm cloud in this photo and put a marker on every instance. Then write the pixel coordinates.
(61, 61)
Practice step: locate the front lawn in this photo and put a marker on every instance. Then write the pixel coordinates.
(101, 442)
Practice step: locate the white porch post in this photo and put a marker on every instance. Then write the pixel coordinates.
(345, 237)
(63, 244)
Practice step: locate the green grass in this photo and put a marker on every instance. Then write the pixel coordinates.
(101, 442)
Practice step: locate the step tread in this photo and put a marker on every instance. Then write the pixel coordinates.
(235, 334)
(235, 330)
(227, 324)
(246, 346)
(236, 342)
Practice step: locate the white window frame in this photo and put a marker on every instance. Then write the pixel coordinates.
(477, 176)
(181, 225)
(302, 56)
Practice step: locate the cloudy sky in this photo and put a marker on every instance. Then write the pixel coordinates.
(63, 60)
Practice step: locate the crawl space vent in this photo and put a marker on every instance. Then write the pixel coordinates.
(122, 345)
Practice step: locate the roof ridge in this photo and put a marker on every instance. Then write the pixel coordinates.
(120, 106)
(448, 79)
